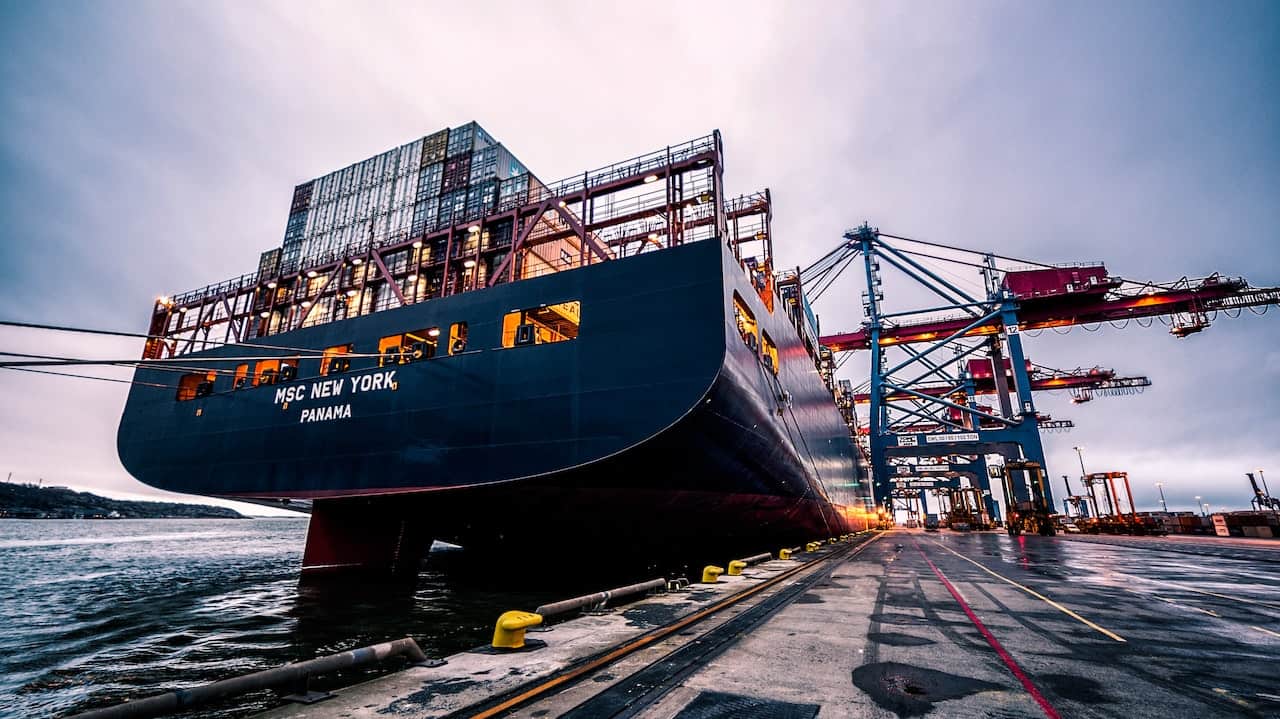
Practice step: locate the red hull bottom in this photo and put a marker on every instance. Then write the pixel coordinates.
(547, 528)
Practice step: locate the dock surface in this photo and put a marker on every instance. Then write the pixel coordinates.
(908, 623)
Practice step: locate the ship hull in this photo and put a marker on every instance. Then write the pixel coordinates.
(654, 433)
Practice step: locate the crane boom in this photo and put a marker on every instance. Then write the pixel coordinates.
(1105, 299)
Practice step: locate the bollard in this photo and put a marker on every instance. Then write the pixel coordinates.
(831, 540)
(509, 631)
(736, 567)
(711, 574)
(784, 554)
(811, 547)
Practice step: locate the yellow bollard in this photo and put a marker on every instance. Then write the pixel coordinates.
(509, 632)
(812, 547)
(736, 567)
(831, 540)
(711, 574)
(784, 554)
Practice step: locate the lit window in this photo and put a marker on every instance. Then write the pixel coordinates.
(408, 347)
(266, 372)
(241, 378)
(745, 322)
(542, 324)
(770, 354)
(332, 360)
(196, 384)
(288, 369)
(458, 338)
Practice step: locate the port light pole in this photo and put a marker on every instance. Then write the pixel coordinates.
(1201, 506)
(1163, 505)
(1080, 455)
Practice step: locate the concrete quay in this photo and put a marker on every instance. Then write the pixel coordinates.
(896, 624)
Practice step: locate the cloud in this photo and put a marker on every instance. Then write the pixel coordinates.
(153, 147)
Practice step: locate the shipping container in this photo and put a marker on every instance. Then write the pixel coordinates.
(461, 140)
(435, 148)
(269, 264)
(457, 172)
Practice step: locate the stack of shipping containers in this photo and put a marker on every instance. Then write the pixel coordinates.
(444, 179)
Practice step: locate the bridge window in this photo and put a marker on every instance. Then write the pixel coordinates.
(542, 324)
(196, 384)
(770, 354)
(458, 338)
(332, 360)
(745, 322)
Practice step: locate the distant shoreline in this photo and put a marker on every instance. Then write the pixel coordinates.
(29, 501)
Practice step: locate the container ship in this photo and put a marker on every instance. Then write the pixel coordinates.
(445, 347)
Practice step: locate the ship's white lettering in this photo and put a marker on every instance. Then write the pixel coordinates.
(324, 414)
(373, 382)
(327, 388)
(291, 394)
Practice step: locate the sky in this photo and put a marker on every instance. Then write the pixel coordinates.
(149, 148)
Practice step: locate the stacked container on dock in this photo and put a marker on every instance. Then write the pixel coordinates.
(1263, 525)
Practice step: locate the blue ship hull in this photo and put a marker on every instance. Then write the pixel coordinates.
(655, 430)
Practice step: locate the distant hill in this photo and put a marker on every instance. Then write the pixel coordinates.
(27, 501)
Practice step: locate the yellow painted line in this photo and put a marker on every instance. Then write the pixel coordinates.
(1266, 631)
(1039, 596)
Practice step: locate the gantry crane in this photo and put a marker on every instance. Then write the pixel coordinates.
(1262, 499)
(904, 345)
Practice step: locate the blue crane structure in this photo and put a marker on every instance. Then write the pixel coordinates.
(923, 418)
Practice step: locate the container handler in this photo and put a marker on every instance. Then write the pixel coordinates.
(1034, 516)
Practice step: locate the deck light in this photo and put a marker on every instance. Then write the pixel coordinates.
(351, 293)
(469, 264)
(433, 332)
(412, 278)
(357, 261)
(653, 236)
(473, 228)
(182, 310)
(650, 178)
(271, 285)
(311, 274)
(264, 315)
(306, 304)
(417, 244)
(562, 203)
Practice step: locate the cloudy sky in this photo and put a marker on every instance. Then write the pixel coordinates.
(147, 148)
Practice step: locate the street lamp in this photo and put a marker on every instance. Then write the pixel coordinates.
(1163, 505)
(1264, 482)
(1207, 508)
(1080, 454)
(1201, 506)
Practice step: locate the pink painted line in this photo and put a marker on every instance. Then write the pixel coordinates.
(1049, 711)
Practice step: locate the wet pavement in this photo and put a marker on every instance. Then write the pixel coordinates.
(1028, 627)
(918, 624)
